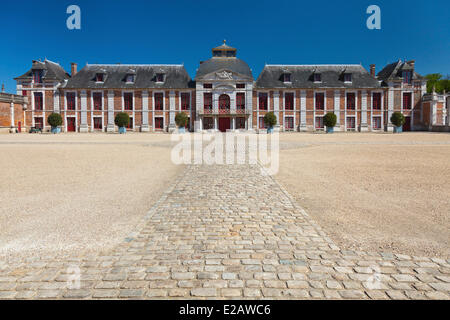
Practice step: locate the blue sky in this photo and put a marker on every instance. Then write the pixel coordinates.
(274, 32)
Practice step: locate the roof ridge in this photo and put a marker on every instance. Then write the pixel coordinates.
(312, 65)
(134, 65)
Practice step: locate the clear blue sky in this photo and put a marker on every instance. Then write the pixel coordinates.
(287, 32)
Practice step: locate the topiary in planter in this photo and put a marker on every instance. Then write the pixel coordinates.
(181, 119)
(398, 119)
(55, 120)
(330, 120)
(122, 120)
(270, 119)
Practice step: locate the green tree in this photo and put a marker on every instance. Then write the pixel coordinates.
(437, 81)
(122, 119)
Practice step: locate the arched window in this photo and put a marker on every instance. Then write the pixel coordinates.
(224, 102)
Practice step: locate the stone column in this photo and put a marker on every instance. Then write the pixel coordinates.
(276, 108)
(337, 107)
(233, 103)
(110, 127)
(303, 110)
(172, 125)
(145, 127)
(13, 122)
(390, 127)
(364, 126)
(56, 102)
(249, 106)
(83, 116)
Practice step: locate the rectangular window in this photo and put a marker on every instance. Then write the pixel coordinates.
(97, 97)
(319, 122)
(98, 123)
(317, 77)
(185, 101)
(208, 123)
(128, 100)
(289, 101)
(39, 123)
(351, 101)
(351, 123)
(320, 101)
(376, 123)
(130, 78)
(159, 123)
(240, 123)
(407, 75)
(289, 123)
(240, 86)
(37, 76)
(207, 101)
(287, 77)
(38, 101)
(24, 93)
(160, 77)
(240, 101)
(99, 77)
(262, 124)
(347, 77)
(376, 100)
(407, 101)
(130, 124)
(263, 97)
(207, 85)
(159, 101)
(70, 96)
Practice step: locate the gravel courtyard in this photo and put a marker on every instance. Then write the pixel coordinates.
(72, 193)
(374, 192)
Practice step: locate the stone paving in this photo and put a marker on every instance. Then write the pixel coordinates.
(227, 232)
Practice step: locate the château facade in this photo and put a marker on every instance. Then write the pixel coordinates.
(224, 95)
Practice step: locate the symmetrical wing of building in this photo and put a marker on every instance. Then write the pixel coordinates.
(223, 96)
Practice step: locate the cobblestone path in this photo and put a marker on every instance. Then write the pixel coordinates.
(224, 232)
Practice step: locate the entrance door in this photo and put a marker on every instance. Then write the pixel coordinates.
(159, 123)
(407, 124)
(224, 124)
(71, 124)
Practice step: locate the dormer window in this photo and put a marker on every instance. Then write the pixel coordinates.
(130, 78)
(407, 76)
(317, 77)
(347, 77)
(37, 76)
(99, 77)
(160, 77)
(286, 77)
(217, 53)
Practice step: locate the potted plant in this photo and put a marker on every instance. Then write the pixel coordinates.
(55, 121)
(122, 120)
(270, 120)
(397, 119)
(329, 120)
(181, 120)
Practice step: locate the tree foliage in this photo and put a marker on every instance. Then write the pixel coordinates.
(55, 120)
(330, 120)
(181, 119)
(437, 81)
(122, 119)
(270, 119)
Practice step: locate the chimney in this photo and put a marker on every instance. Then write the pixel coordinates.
(372, 70)
(411, 63)
(74, 68)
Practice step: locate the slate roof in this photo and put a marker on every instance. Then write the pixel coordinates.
(176, 77)
(52, 71)
(302, 76)
(216, 64)
(393, 71)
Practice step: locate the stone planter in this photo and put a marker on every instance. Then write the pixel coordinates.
(398, 129)
(270, 130)
(330, 129)
(122, 130)
(56, 130)
(181, 130)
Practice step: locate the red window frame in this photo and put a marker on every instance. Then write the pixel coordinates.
(289, 101)
(320, 101)
(37, 76)
(347, 77)
(97, 98)
(224, 102)
(159, 123)
(185, 101)
(38, 101)
(319, 123)
(24, 93)
(287, 77)
(99, 77)
(159, 101)
(407, 100)
(128, 100)
(160, 77)
(207, 100)
(351, 123)
(351, 101)
(376, 100)
(240, 123)
(240, 100)
(407, 75)
(263, 99)
(130, 124)
(289, 123)
(262, 124)
(71, 100)
(317, 77)
(39, 122)
(98, 123)
(376, 123)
